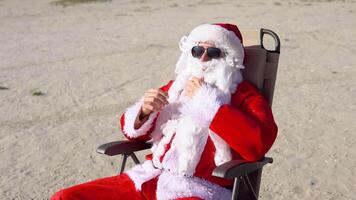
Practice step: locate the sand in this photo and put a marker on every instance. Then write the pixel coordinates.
(92, 60)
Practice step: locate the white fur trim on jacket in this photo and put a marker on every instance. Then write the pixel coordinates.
(130, 117)
(204, 105)
(186, 148)
(142, 173)
(222, 149)
(171, 186)
(158, 150)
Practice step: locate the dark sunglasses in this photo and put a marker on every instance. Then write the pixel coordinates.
(213, 52)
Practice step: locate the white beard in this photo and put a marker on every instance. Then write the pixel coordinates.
(216, 72)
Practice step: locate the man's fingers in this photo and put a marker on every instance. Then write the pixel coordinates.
(156, 97)
(157, 100)
(198, 81)
(147, 109)
(189, 88)
(152, 106)
(192, 85)
(157, 91)
(154, 100)
(163, 93)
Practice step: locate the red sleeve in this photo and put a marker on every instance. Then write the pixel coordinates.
(146, 136)
(247, 125)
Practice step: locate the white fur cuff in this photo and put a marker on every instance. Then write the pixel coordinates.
(142, 173)
(130, 117)
(204, 105)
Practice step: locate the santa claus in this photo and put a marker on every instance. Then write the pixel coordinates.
(207, 116)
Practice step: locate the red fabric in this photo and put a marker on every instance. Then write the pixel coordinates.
(167, 86)
(247, 125)
(111, 188)
(146, 136)
(149, 156)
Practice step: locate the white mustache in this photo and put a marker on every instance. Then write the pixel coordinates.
(200, 68)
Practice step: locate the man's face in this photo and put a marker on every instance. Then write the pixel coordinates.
(205, 57)
(206, 45)
(209, 63)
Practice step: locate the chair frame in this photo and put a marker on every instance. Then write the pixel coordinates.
(246, 175)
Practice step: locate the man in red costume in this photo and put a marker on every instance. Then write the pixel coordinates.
(207, 116)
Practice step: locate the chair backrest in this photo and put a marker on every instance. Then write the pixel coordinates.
(261, 70)
(261, 64)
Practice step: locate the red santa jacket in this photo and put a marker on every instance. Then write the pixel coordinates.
(246, 124)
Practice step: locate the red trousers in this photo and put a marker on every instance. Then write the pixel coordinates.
(111, 188)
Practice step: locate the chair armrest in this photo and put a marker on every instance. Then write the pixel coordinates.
(122, 147)
(238, 168)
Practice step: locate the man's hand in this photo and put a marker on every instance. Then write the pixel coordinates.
(153, 101)
(192, 86)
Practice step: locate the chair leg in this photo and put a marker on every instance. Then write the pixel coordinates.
(247, 183)
(235, 190)
(134, 158)
(123, 163)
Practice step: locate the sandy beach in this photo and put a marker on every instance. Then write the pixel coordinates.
(68, 71)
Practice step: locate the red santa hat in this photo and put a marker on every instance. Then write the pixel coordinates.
(233, 28)
(225, 36)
